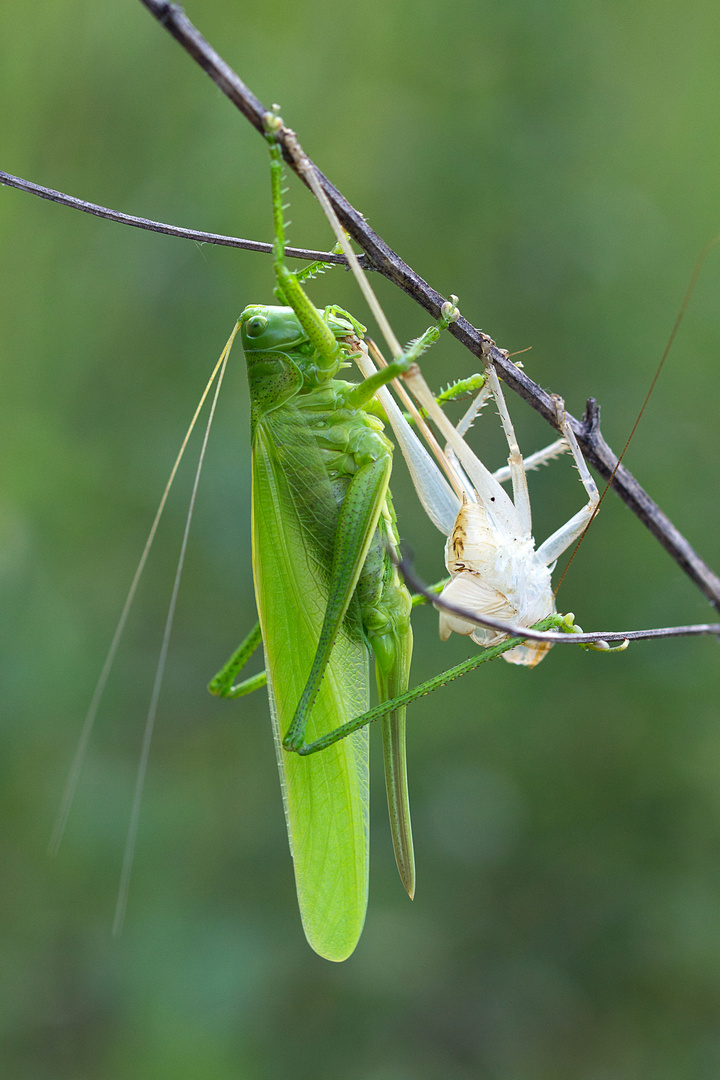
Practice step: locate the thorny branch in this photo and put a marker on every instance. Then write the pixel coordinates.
(379, 256)
(384, 259)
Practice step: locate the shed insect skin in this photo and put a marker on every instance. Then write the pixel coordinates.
(494, 566)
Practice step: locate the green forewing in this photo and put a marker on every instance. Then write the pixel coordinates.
(325, 794)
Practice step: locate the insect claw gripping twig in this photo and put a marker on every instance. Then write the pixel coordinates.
(559, 410)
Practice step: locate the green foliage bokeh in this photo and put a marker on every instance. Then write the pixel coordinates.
(553, 164)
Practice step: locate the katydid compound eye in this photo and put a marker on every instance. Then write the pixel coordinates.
(255, 326)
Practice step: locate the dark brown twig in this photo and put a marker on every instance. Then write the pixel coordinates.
(384, 259)
(379, 256)
(597, 637)
(160, 227)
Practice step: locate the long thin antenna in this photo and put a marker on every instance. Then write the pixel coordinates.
(131, 840)
(89, 721)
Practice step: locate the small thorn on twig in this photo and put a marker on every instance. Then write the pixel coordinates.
(590, 419)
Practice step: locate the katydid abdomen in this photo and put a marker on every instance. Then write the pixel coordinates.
(321, 520)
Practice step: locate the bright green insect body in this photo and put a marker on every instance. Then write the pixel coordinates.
(325, 588)
(327, 591)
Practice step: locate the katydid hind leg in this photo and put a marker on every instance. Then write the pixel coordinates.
(390, 685)
(357, 522)
(386, 607)
(360, 562)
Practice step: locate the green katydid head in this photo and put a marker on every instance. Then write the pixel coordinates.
(282, 357)
(277, 332)
(270, 329)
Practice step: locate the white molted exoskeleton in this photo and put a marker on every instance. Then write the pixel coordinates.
(490, 553)
(503, 580)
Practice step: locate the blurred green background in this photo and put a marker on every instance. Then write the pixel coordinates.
(556, 165)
